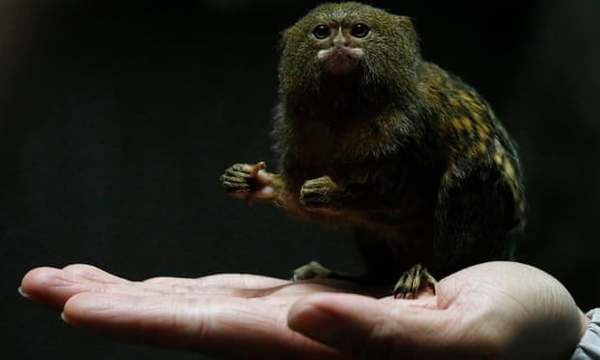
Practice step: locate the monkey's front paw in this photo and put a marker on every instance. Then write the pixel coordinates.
(241, 178)
(413, 281)
(317, 193)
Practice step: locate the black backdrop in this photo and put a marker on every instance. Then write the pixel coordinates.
(116, 121)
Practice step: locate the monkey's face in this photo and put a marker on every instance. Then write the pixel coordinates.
(337, 40)
(340, 45)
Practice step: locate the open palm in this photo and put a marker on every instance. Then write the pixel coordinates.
(493, 310)
(221, 314)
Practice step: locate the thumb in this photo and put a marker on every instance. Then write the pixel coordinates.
(367, 327)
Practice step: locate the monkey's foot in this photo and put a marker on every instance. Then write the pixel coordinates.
(318, 193)
(312, 270)
(413, 281)
(249, 181)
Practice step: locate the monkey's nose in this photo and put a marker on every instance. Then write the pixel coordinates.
(340, 40)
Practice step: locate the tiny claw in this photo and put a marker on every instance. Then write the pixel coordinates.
(414, 281)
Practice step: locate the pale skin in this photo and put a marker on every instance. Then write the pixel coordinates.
(499, 310)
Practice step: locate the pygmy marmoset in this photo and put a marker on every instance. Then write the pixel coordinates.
(371, 136)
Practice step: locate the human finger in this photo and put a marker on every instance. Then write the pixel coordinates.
(372, 328)
(54, 287)
(225, 326)
(233, 281)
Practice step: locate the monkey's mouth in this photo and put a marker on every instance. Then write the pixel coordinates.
(340, 60)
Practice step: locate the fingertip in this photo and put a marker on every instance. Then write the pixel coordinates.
(93, 302)
(99, 310)
(303, 313)
(111, 314)
(325, 317)
(37, 280)
(309, 302)
(36, 273)
(74, 307)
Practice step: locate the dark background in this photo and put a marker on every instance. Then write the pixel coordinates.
(117, 120)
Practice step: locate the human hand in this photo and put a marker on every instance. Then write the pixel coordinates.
(497, 310)
(231, 316)
(494, 310)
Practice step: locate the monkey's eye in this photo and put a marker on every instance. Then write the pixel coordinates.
(360, 30)
(321, 32)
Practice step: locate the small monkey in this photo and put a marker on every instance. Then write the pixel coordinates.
(371, 136)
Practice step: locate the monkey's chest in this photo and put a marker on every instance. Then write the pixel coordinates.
(389, 190)
(359, 175)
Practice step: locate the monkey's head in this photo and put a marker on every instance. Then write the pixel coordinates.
(337, 41)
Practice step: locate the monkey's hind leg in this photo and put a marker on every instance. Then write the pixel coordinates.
(413, 281)
(314, 270)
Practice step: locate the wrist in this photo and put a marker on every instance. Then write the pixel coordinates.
(588, 347)
(585, 323)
